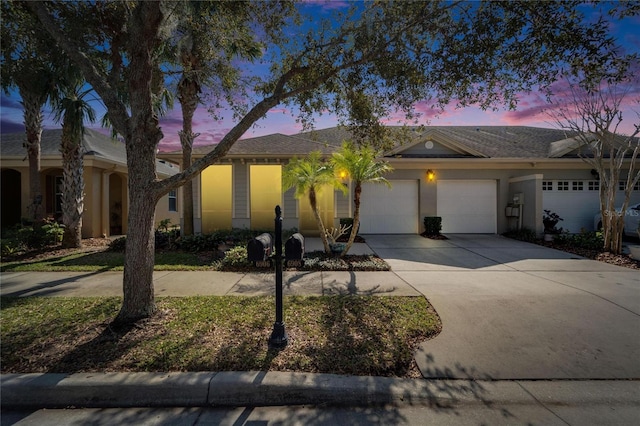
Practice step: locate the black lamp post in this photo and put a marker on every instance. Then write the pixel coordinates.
(279, 338)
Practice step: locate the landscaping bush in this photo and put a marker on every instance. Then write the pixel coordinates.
(170, 239)
(197, 243)
(589, 240)
(432, 225)
(235, 258)
(118, 245)
(524, 234)
(43, 234)
(11, 246)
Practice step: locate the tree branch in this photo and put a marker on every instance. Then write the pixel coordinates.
(118, 114)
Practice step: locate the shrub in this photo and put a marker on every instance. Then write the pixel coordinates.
(11, 246)
(590, 240)
(47, 232)
(118, 244)
(236, 258)
(524, 234)
(432, 225)
(166, 239)
(198, 243)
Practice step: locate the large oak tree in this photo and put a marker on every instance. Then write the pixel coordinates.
(378, 56)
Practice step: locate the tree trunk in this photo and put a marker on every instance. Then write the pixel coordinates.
(142, 135)
(33, 127)
(356, 217)
(316, 214)
(188, 91)
(612, 221)
(187, 188)
(139, 298)
(72, 190)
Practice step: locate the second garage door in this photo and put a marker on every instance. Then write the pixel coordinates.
(392, 210)
(467, 206)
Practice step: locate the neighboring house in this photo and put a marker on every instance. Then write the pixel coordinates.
(478, 173)
(105, 183)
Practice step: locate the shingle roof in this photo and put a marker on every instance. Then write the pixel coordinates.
(95, 144)
(484, 141)
(276, 144)
(503, 141)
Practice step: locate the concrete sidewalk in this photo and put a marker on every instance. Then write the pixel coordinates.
(206, 283)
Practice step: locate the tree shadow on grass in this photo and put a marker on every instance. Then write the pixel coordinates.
(100, 352)
(103, 259)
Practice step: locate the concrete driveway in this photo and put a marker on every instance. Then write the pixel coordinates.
(513, 310)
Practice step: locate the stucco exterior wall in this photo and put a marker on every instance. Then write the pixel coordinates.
(530, 200)
(162, 210)
(92, 216)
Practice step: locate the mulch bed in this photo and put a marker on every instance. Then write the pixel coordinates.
(614, 259)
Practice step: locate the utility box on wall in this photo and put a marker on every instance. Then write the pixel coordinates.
(512, 210)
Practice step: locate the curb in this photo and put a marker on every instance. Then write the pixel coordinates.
(258, 388)
(223, 389)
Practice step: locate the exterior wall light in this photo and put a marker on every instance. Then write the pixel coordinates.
(431, 175)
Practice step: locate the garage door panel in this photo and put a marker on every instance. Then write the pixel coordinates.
(392, 210)
(467, 206)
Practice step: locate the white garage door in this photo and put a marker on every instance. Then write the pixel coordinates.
(392, 210)
(467, 206)
(577, 202)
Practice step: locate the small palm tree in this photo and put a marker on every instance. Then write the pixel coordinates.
(360, 165)
(72, 108)
(307, 176)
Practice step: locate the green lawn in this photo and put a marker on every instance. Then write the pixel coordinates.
(107, 260)
(74, 261)
(329, 334)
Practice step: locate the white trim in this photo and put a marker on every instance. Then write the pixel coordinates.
(525, 178)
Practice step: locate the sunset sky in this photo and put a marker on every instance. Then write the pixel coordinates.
(282, 120)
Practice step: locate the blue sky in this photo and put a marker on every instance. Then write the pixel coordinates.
(283, 120)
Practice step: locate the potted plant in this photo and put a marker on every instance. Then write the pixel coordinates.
(550, 220)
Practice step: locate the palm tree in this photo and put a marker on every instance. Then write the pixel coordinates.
(308, 176)
(206, 62)
(72, 108)
(26, 66)
(360, 165)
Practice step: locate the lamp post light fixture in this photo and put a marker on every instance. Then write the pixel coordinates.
(279, 338)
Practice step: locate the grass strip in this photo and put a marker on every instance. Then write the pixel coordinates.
(182, 261)
(327, 334)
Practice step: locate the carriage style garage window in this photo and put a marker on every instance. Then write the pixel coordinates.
(623, 184)
(547, 185)
(563, 185)
(173, 201)
(577, 185)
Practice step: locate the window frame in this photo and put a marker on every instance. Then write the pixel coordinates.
(173, 196)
